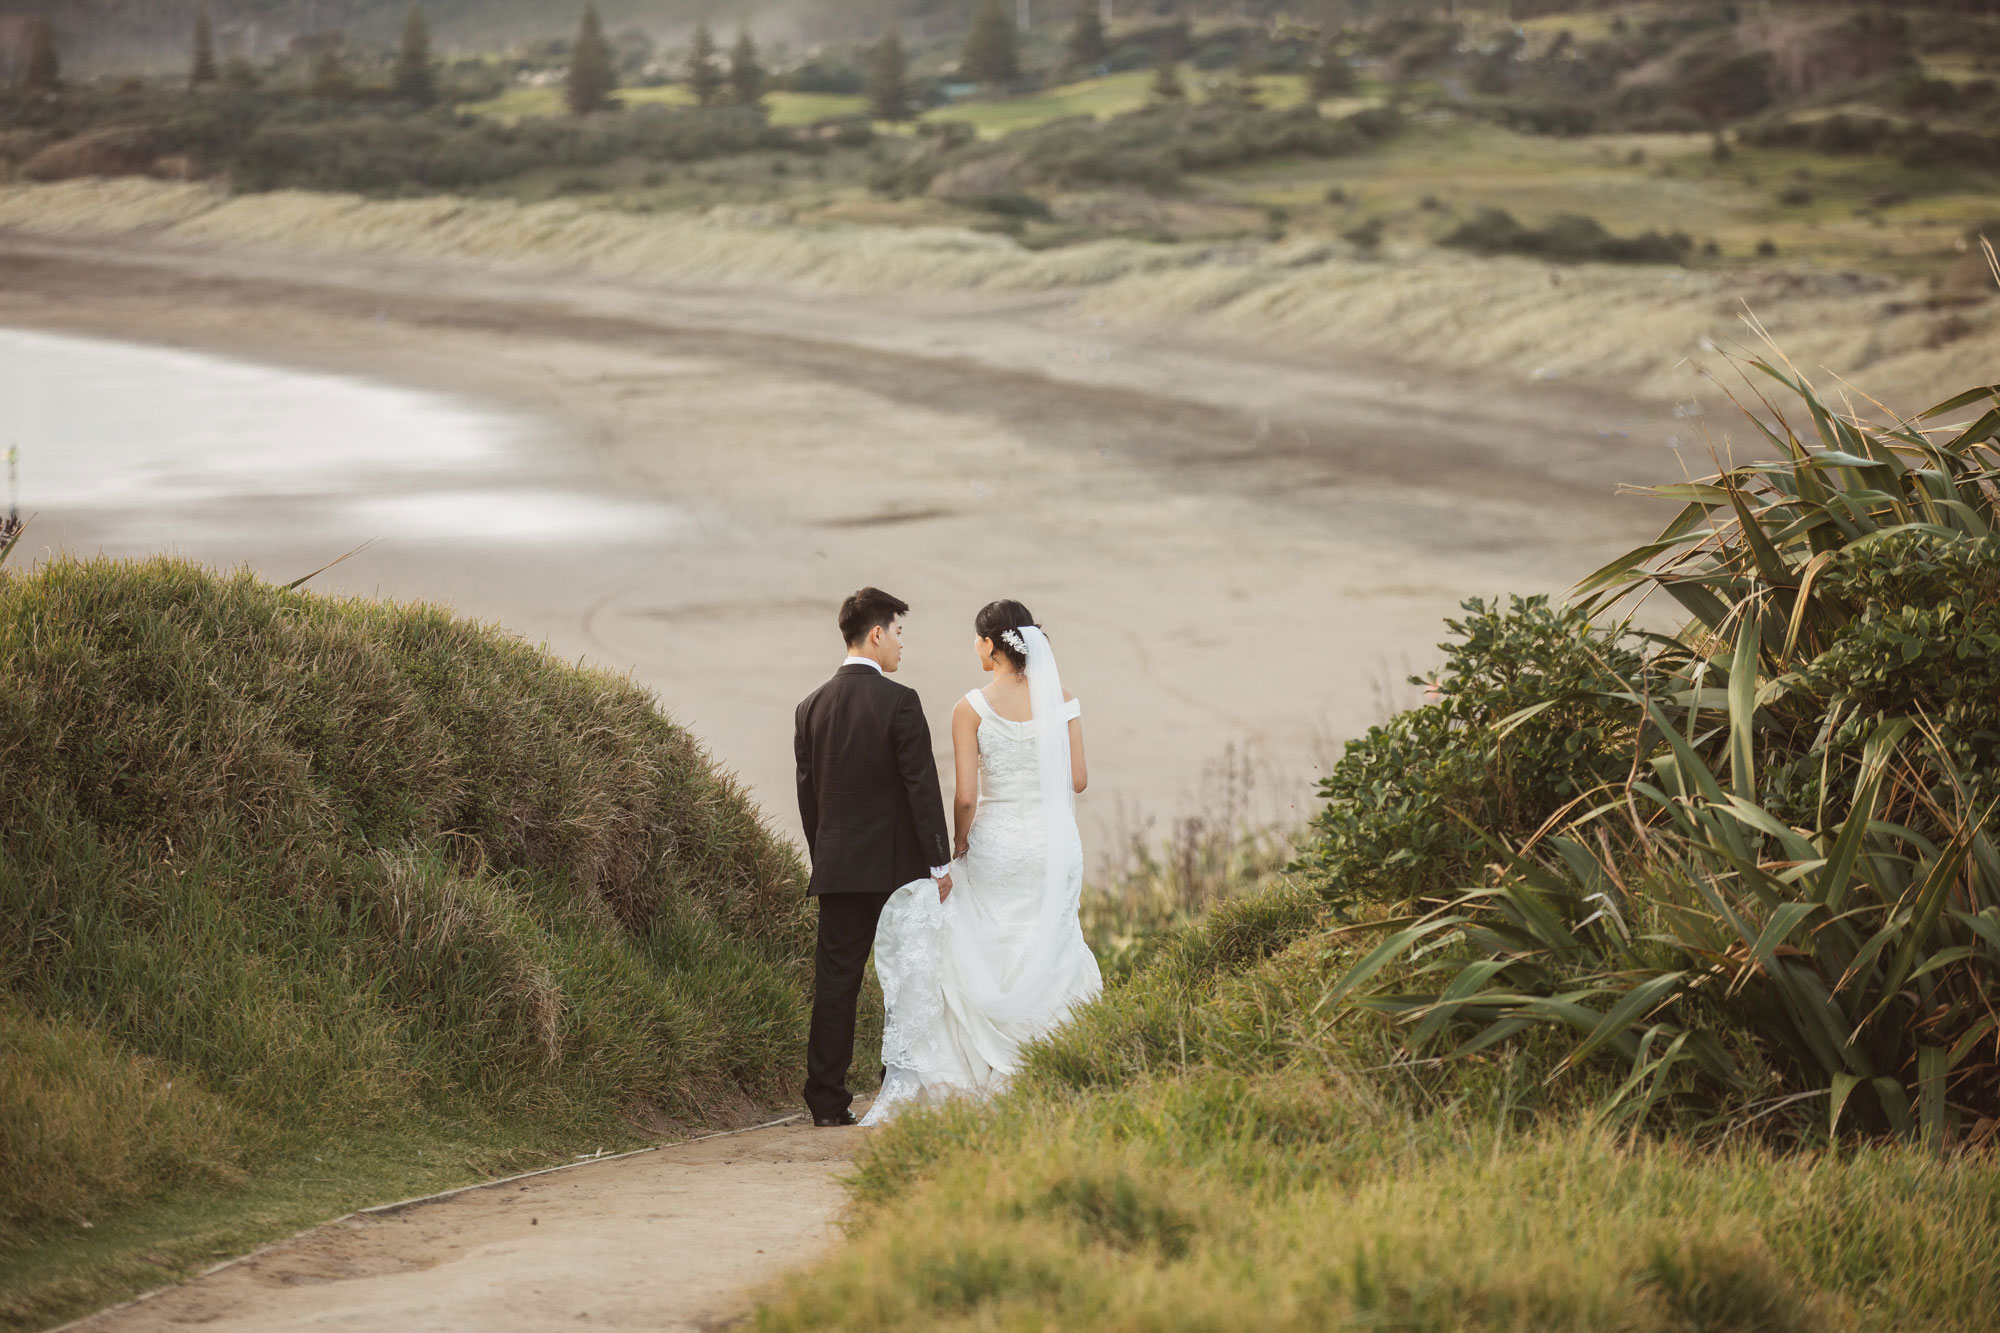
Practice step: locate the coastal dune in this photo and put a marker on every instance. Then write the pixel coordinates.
(1633, 325)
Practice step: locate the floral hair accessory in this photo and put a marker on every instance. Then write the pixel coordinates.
(1013, 639)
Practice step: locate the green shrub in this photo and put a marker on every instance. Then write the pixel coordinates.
(302, 149)
(1148, 149)
(1567, 238)
(1913, 143)
(1791, 912)
(1517, 733)
(1924, 643)
(1540, 117)
(266, 140)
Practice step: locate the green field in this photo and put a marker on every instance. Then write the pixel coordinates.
(1864, 212)
(991, 117)
(1109, 96)
(547, 100)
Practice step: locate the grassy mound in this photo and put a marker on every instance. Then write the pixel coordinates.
(279, 870)
(1635, 982)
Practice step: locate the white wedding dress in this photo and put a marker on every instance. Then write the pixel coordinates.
(970, 981)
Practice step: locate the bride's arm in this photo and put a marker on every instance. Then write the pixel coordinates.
(1079, 772)
(965, 765)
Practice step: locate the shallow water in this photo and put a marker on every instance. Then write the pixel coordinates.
(147, 447)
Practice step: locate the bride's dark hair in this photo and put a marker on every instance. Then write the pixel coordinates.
(995, 619)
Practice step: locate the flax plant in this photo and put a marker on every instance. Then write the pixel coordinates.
(1788, 913)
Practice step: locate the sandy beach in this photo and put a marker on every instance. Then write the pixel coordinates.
(1231, 546)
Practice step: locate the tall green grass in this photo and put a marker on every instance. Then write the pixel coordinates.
(1211, 1147)
(278, 868)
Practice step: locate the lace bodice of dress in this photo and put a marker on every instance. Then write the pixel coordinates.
(1007, 771)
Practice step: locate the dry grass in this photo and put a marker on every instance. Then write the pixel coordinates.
(86, 1122)
(1232, 843)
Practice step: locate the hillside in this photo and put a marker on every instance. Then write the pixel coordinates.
(1635, 981)
(310, 902)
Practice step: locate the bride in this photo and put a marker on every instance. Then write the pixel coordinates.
(972, 975)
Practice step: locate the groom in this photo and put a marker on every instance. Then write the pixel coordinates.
(874, 821)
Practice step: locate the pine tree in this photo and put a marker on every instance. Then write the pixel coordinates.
(1167, 85)
(704, 76)
(1332, 76)
(591, 75)
(990, 55)
(203, 69)
(1087, 44)
(746, 76)
(44, 70)
(415, 80)
(889, 79)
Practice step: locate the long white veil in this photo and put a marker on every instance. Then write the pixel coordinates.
(1017, 993)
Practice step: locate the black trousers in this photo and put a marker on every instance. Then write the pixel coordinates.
(846, 934)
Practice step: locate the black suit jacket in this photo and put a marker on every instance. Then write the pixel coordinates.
(868, 786)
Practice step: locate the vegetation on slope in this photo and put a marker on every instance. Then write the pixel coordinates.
(1636, 981)
(1688, 135)
(279, 872)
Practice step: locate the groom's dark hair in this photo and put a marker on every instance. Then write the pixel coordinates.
(865, 610)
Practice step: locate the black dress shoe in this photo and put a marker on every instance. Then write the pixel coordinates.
(834, 1121)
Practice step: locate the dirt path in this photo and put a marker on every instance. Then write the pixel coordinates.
(668, 1240)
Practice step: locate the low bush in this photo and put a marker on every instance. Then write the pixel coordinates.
(1913, 143)
(272, 140)
(1567, 238)
(1528, 116)
(388, 154)
(825, 74)
(1149, 149)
